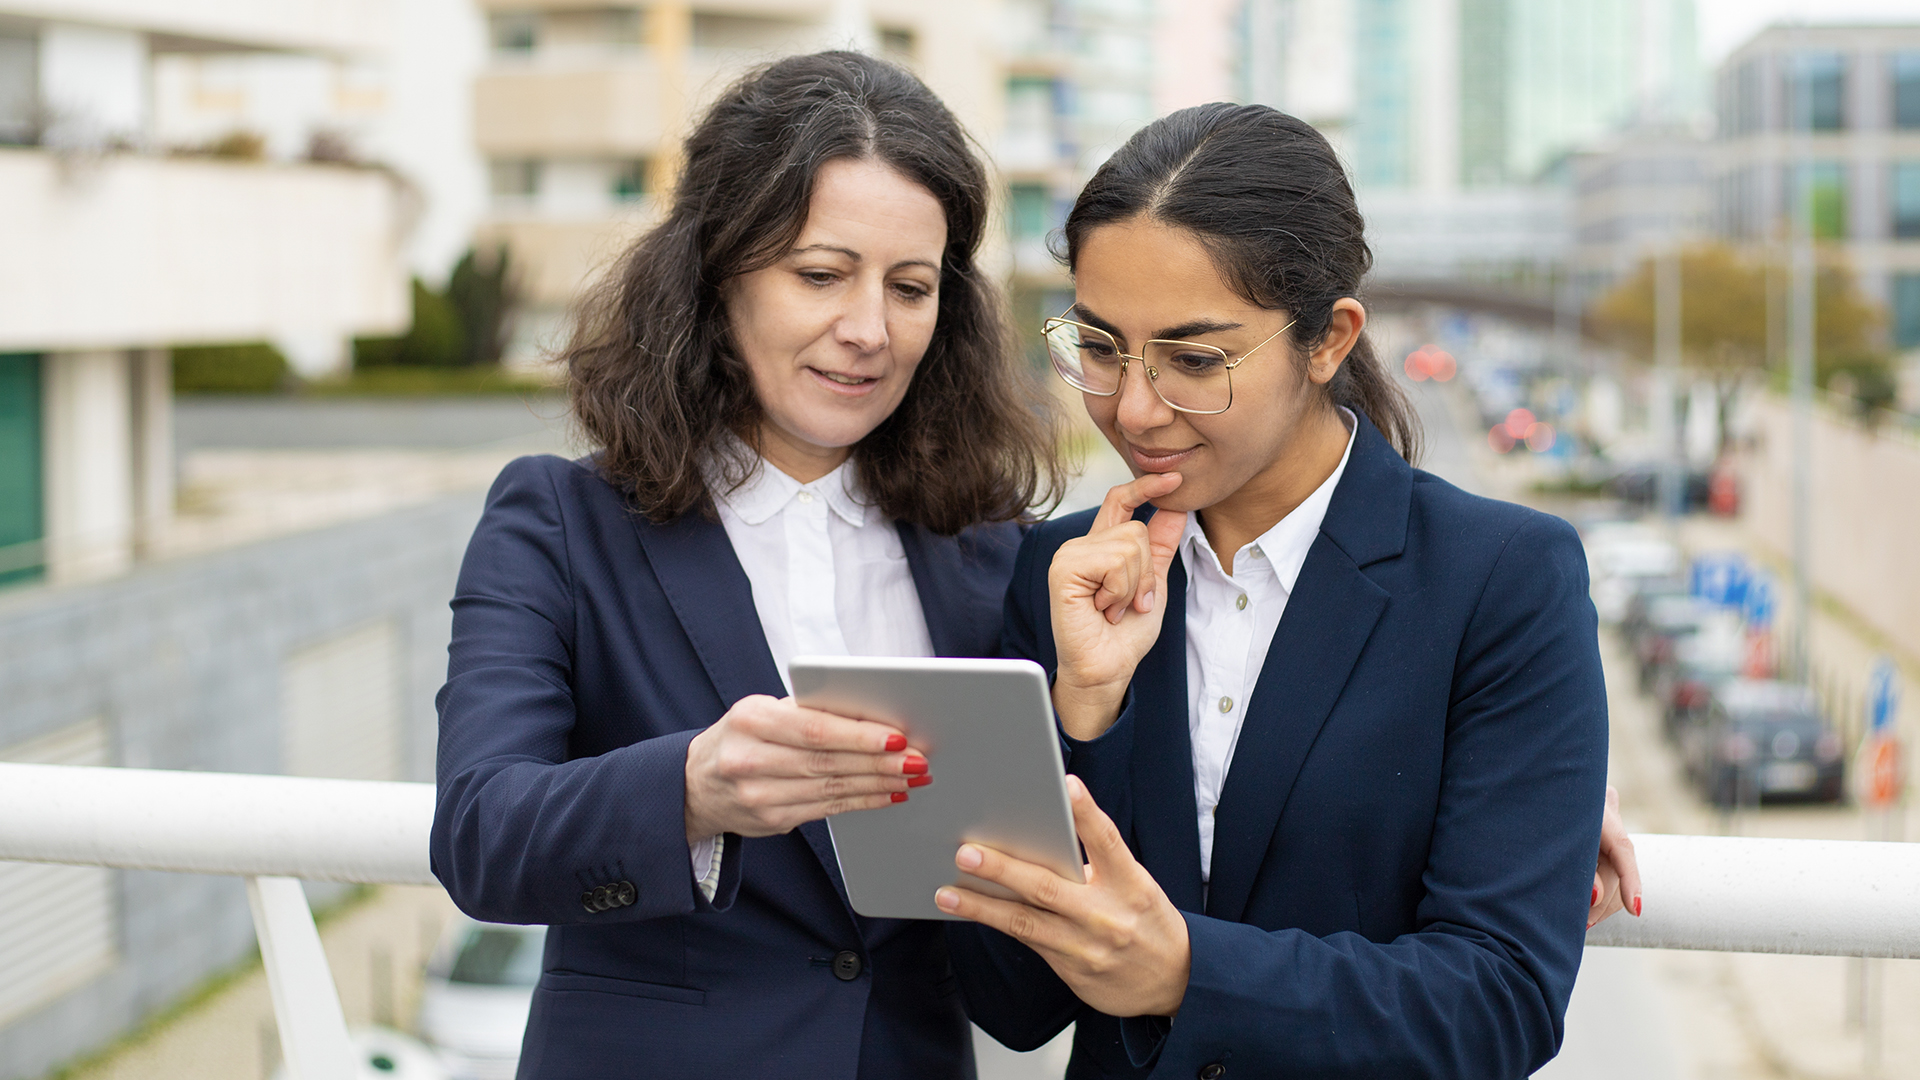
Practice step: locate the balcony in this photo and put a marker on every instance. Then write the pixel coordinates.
(603, 104)
(333, 26)
(200, 251)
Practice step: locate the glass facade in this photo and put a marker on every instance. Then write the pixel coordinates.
(21, 522)
(1824, 185)
(1817, 85)
(1383, 105)
(1906, 310)
(1906, 200)
(1906, 90)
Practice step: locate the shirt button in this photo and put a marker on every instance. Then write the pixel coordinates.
(1242, 602)
(1213, 1071)
(806, 496)
(1226, 704)
(846, 965)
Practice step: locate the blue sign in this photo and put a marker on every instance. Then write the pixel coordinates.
(1757, 605)
(1883, 696)
(1722, 578)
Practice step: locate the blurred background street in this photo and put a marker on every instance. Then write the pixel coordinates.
(279, 285)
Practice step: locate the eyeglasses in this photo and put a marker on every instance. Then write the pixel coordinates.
(1188, 376)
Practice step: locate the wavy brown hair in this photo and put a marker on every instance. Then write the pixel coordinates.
(651, 373)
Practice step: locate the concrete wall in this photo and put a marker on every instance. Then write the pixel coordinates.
(1866, 519)
(185, 662)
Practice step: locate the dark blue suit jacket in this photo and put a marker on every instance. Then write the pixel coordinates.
(1405, 843)
(589, 647)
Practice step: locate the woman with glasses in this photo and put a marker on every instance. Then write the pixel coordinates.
(1339, 728)
(816, 438)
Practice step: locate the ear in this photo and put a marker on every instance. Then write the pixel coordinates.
(1343, 331)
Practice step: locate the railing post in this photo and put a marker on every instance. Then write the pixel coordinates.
(306, 1004)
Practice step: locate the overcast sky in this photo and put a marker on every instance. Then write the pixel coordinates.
(1724, 24)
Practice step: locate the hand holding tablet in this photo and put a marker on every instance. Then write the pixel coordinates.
(987, 729)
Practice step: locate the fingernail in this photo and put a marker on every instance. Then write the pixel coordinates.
(1596, 896)
(947, 899)
(1076, 790)
(899, 796)
(896, 743)
(969, 857)
(1147, 599)
(919, 781)
(914, 765)
(1636, 907)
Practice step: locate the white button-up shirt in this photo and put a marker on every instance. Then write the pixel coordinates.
(1231, 620)
(829, 576)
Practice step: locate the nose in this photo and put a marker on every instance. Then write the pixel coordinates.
(863, 325)
(1140, 408)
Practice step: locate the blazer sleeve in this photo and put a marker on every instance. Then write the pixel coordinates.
(522, 834)
(1480, 989)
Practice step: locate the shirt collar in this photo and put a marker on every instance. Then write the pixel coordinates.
(767, 491)
(1286, 544)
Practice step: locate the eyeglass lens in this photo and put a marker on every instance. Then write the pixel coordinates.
(1186, 375)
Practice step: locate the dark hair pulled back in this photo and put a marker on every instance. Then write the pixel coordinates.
(651, 372)
(1267, 197)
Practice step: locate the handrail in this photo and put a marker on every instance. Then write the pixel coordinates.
(1823, 897)
(1732, 894)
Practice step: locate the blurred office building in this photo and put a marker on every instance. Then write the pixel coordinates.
(120, 245)
(580, 108)
(1637, 193)
(1457, 117)
(1834, 111)
(163, 185)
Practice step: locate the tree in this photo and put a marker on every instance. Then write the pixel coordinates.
(1725, 308)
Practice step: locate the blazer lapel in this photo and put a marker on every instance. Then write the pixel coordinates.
(1330, 615)
(695, 564)
(1163, 810)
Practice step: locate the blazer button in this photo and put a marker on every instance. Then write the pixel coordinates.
(595, 899)
(846, 965)
(624, 894)
(1212, 1072)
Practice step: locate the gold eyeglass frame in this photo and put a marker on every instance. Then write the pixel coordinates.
(1153, 374)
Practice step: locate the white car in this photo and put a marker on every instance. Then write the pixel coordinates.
(479, 987)
(1621, 556)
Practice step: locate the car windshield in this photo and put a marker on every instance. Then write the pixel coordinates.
(1765, 718)
(498, 956)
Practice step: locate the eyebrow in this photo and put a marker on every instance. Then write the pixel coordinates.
(1172, 333)
(855, 256)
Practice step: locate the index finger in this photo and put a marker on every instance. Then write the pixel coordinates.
(1118, 507)
(815, 729)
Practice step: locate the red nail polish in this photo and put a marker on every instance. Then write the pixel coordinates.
(915, 765)
(1636, 907)
(896, 743)
(899, 796)
(919, 781)
(1596, 896)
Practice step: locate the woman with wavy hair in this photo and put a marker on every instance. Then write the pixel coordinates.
(816, 437)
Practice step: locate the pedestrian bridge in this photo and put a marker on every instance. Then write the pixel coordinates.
(1822, 897)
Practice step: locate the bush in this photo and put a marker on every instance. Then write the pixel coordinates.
(256, 368)
(436, 338)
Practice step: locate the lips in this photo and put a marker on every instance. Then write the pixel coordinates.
(1158, 460)
(840, 383)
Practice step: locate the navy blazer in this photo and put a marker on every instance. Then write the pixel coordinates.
(589, 647)
(1405, 843)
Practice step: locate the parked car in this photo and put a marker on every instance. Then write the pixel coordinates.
(478, 990)
(1623, 559)
(1712, 654)
(1668, 619)
(1764, 740)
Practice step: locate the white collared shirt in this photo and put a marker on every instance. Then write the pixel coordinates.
(1231, 621)
(829, 576)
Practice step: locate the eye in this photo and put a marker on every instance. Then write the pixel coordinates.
(818, 277)
(1195, 362)
(911, 291)
(1099, 350)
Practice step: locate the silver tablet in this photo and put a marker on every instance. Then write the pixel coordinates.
(987, 729)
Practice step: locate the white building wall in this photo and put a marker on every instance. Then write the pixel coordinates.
(88, 414)
(93, 84)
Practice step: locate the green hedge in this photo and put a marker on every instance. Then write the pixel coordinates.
(255, 368)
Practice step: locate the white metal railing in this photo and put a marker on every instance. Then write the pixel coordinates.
(1824, 897)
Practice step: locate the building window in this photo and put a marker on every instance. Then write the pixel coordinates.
(629, 180)
(1906, 310)
(340, 706)
(1906, 200)
(19, 90)
(515, 32)
(1031, 211)
(1823, 184)
(1818, 85)
(59, 931)
(1906, 90)
(22, 551)
(514, 181)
